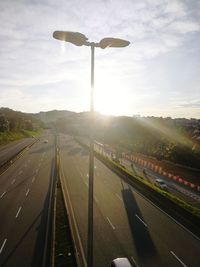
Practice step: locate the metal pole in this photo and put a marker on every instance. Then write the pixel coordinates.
(91, 168)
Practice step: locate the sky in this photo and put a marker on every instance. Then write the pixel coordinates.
(158, 74)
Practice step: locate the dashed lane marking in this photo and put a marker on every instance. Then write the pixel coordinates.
(13, 181)
(27, 192)
(178, 259)
(2, 194)
(17, 214)
(33, 179)
(141, 220)
(2, 246)
(119, 197)
(113, 227)
(97, 201)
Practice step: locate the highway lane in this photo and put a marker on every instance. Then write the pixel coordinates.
(11, 149)
(25, 190)
(126, 224)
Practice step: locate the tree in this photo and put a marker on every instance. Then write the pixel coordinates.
(4, 124)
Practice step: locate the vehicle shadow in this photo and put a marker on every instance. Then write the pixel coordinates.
(140, 234)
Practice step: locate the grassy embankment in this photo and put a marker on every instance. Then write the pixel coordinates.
(8, 137)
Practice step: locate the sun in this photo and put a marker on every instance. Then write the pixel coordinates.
(109, 98)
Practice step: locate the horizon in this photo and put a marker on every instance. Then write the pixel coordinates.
(111, 115)
(156, 75)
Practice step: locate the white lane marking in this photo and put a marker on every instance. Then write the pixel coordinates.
(18, 212)
(183, 264)
(27, 192)
(113, 227)
(20, 172)
(86, 183)
(2, 194)
(36, 171)
(134, 261)
(4, 242)
(141, 220)
(178, 223)
(13, 181)
(119, 197)
(33, 179)
(81, 174)
(97, 201)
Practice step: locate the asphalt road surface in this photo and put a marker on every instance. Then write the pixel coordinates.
(10, 150)
(25, 190)
(125, 223)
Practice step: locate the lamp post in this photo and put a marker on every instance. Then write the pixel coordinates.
(80, 39)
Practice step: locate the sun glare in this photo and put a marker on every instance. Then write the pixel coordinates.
(109, 98)
(63, 44)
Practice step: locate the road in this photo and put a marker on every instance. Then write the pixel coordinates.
(125, 223)
(25, 190)
(176, 189)
(11, 149)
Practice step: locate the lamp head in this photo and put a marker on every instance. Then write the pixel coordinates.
(75, 38)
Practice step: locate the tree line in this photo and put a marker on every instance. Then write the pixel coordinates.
(15, 121)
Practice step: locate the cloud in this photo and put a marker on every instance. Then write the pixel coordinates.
(30, 57)
(191, 104)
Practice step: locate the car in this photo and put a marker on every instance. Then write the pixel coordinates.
(121, 262)
(161, 184)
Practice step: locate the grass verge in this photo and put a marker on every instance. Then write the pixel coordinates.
(8, 137)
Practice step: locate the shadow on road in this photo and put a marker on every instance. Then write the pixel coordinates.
(74, 151)
(41, 255)
(84, 152)
(5, 261)
(140, 234)
(42, 149)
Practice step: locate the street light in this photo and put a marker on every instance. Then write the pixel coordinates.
(80, 39)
